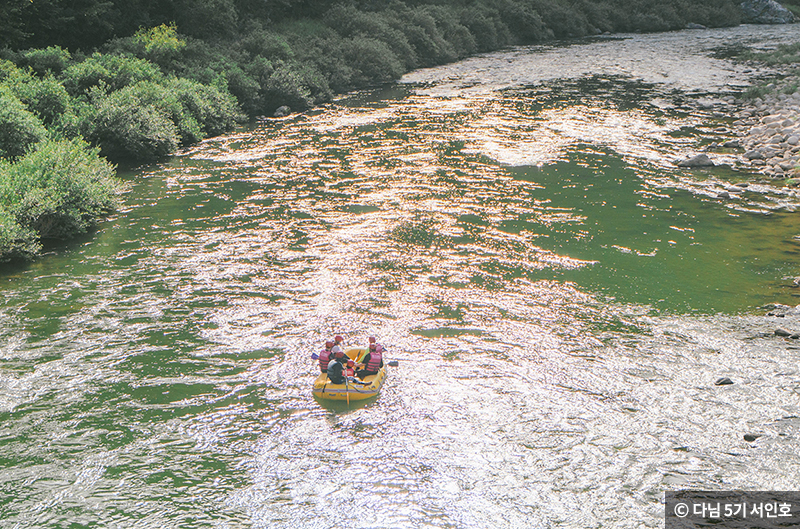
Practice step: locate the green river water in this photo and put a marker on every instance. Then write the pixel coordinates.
(559, 296)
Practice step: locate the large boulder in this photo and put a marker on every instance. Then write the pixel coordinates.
(765, 12)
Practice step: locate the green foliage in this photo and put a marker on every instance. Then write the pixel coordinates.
(160, 39)
(490, 33)
(19, 128)
(285, 86)
(214, 110)
(45, 97)
(113, 72)
(373, 61)
(208, 19)
(9, 71)
(133, 124)
(260, 42)
(51, 60)
(17, 243)
(57, 190)
(147, 121)
(350, 23)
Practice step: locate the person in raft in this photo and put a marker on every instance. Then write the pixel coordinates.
(325, 356)
(336, 370)
(372, 361)
(337, 344)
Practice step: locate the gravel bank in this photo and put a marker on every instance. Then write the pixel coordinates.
(769, 130)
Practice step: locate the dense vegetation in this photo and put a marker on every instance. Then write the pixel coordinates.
(132, 80)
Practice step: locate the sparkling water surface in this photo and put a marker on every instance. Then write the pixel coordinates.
(559, 296)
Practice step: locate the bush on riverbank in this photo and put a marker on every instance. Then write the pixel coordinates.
(57, 190)
(147, 121)
(125, 106)
(19, 128)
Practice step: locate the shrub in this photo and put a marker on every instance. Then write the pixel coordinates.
(260, 42)
(286, 87)
(17, 243)
(490, 33)
(209, 19)
(111, 71)
(58, 190)
(564, 20)
(350, 22)
(19, 128)
(47, 98)
(373, 61)
(160, 41)
(52, 60)
(9, 70)
(128, 126)
(326, 55)
(246, 89)
(214, 110)
(524, 22)
(420, 28)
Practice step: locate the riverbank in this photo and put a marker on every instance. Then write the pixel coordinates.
(770, 132)
(767, 118)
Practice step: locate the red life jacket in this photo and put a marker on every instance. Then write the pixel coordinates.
(374, 363)
(324, 360)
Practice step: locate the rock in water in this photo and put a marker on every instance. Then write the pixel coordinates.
(765, 12)
(723, 382)
(701, 160)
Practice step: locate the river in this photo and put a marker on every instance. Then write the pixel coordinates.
(560, 299)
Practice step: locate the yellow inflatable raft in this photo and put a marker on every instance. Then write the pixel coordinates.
(357, 389)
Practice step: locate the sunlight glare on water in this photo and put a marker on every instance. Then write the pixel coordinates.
(559, 297)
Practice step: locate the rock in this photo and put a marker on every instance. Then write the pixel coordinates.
(755, 154)
(782, 332)
(701, 160)
(723, 194)
(793, 140)
(750, 437)
(282, 111)
(733, 144)
(692, 25)
(725, 381)
(765, 12)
